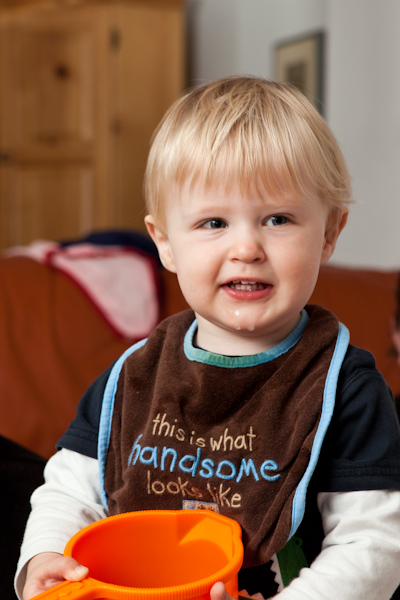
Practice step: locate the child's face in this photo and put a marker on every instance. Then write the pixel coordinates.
(246, 264)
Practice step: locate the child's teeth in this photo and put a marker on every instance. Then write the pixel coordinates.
(246, 286)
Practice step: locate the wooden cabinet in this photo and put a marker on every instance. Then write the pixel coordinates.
(83, 84)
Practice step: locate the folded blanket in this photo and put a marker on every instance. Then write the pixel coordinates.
(120, 281)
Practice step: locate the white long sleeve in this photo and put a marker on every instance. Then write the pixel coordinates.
(360, 559)
(68, 501)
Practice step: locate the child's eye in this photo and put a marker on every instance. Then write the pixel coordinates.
(214, 224)
(276, 220)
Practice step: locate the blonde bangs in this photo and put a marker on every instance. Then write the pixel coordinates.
(249, 133)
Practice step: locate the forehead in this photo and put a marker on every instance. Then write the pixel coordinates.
(201, 195)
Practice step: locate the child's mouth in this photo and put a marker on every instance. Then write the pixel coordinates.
(247, 286)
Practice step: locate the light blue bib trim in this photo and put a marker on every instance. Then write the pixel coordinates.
(299, 500)
(106, 415)
(234, 362)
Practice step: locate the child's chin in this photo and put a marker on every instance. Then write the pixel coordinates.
(244, 329)
(243, 326)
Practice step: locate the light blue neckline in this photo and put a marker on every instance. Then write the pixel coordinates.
(234, 362)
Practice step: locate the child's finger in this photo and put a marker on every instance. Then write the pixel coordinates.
(62, 568)
(218, 592)
(73, 571)
(45, 575)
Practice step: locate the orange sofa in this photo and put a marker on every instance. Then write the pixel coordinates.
(53, 343)
(365, 301)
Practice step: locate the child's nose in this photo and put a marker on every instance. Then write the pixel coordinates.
(247, 248)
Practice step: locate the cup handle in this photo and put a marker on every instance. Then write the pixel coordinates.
(88, 589)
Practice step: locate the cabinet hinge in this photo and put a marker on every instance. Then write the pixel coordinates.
(115, 39)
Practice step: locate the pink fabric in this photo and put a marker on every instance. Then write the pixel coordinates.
(120, 281)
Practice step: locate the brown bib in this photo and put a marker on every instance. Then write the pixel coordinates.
(186, 432)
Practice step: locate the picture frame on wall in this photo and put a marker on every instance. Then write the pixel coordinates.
(300, 62)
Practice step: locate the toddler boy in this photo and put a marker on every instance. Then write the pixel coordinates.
(252, 403)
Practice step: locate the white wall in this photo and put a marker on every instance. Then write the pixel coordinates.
(362, 100)
(213, 27)
(364, 113)
(264, 23)
(231, 37)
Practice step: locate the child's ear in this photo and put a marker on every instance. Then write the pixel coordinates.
(334, 226)
(162, 242)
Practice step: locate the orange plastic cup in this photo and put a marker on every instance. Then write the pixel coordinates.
(155, 555)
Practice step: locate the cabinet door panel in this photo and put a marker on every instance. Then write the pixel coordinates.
(53, 86)
(82, 83)
(153, 35)
(47, 202)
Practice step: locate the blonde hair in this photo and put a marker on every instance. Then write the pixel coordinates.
(245, 131)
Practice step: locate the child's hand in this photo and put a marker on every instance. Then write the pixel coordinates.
(48, 569)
